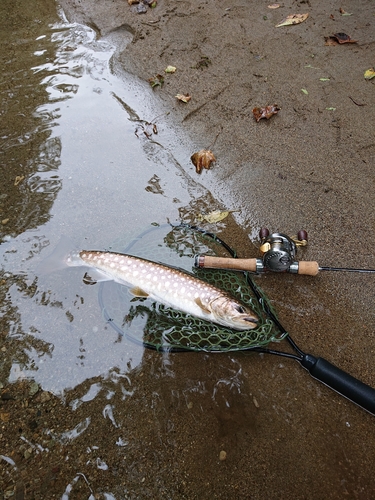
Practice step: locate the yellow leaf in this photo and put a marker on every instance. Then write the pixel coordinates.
(170, 69)
(183, 98)
(369, 74)
(293, 19)
(215, 216)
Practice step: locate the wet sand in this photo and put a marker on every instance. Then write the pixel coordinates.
(284, 434)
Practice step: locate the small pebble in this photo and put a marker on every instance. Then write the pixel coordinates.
(222, 455)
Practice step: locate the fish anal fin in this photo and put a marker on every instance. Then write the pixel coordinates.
(138, 292)
(200, 304)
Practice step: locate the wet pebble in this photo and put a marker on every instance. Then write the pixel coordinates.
(34, 388)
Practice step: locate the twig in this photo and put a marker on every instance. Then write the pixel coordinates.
(356, 103)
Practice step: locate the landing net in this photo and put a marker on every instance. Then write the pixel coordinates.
(162, 328)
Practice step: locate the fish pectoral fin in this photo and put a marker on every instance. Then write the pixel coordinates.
(138, 292)
(95, 276)
(202, 306)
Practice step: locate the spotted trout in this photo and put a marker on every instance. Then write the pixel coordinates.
(167, 285)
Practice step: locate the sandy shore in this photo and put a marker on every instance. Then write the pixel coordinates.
(309, 167)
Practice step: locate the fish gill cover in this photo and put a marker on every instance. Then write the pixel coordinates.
(162, 328)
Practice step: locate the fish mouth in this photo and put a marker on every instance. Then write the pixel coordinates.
(251, 320)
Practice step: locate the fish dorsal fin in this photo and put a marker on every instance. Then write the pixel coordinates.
(200, 304)
(138, 292)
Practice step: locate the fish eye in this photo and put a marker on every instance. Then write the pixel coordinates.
(240, 309)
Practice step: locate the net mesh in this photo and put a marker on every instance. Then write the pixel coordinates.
(162, 328)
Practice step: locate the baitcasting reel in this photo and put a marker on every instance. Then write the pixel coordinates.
(279, 251)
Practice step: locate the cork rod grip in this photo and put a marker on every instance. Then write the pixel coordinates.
(309, 268)
(226, 263)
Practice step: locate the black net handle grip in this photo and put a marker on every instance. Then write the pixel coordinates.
(340, 381)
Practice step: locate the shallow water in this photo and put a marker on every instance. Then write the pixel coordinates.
(109, 418)
(82, 173)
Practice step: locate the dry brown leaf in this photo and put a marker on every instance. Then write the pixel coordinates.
(343, 38)
(339, 38)
(265, 112)
(202, 159)
(183, 97)
(293, 19)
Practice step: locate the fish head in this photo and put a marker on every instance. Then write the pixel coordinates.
(233, 314)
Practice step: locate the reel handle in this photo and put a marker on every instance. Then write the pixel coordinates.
(309, 268)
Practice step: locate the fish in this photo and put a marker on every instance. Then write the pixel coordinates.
(167, 285)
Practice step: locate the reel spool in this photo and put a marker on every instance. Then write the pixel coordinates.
(279, 251)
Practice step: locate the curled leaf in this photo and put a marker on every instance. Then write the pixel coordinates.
(265, 112)
(339, 38)
(292, 19)
(170, 69)
(343, 13)
(215, 216)
(183, 97)
(18, 179)
(156, 80)
(369, 74)
(202, 159)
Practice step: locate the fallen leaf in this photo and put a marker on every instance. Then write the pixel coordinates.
(215, 216)
(305, 91)
(369, 74)
(18, 179)
(331, 109)
(330, 41)
(274, 6)
(156, 80)
(183, 97)
(342, 38)
(147, 128)
(202, 159)
(130, 2)
(170, 69)
(4, 417)
(343, 13)
(265, 112)
(324, 79)
(292, 19)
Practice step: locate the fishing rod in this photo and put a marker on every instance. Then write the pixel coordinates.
(278, 255)
(193, 339)
(319, 368)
